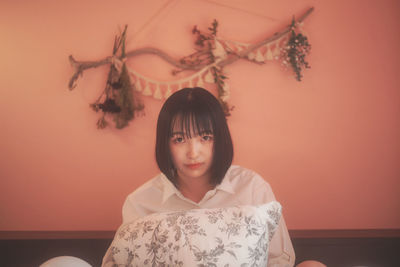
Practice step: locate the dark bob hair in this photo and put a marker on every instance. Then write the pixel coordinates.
(198, 108)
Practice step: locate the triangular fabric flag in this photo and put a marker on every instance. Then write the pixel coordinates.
(131, 72)
(157, 92)
(225, 93)
(117, 63)
(226, 86)
(147, 90)
(251, 56)
(138, 85)
(168, 92)
(200, 82)
(219, 50)
(277, 51)
(239, 48)
(269, 55)
(132, 77)
(259, 57)
(209, 78)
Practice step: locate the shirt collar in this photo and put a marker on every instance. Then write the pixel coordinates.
(169, 189)
(226, 185)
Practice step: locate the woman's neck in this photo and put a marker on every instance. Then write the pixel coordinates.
(195, 189)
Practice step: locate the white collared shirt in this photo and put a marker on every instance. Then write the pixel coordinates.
(240, 186)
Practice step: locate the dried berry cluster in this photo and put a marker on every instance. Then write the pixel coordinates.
(294, 54)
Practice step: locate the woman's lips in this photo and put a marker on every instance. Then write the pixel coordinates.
(194, 166)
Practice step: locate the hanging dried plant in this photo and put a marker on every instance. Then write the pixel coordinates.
(223, 89)
(205, 44)
(210, 50)
(294, 54)
(117, 99)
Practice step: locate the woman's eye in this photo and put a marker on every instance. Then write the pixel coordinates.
(178, 140)
(207, 137)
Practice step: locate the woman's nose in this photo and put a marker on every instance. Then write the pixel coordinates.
(193, 148)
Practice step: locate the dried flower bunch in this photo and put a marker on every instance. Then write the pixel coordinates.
(117, 99)
(294, 53)
(209, 52)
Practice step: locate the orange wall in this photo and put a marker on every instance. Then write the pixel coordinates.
(329, 145)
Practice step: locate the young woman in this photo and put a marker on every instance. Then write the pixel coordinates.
(194, 152)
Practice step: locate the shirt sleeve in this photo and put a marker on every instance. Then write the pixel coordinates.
(281, 252)
(129, 210)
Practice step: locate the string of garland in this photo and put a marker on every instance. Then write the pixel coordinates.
(120, 101)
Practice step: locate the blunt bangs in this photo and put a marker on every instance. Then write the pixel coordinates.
(191, 123)
(191, 112)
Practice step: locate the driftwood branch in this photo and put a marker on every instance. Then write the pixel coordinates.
(233, 57)
(81, 66)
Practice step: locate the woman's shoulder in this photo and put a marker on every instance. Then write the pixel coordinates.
(152, 186)
(247, 182)
(242, 175)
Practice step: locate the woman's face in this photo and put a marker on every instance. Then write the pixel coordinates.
(192, 156)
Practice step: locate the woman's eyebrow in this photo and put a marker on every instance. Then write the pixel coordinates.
(180, 133)
(206, 132)
(177, 133)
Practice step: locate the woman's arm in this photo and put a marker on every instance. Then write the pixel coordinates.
(281, 252)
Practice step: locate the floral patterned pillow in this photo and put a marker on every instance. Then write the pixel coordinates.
(234, 236)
